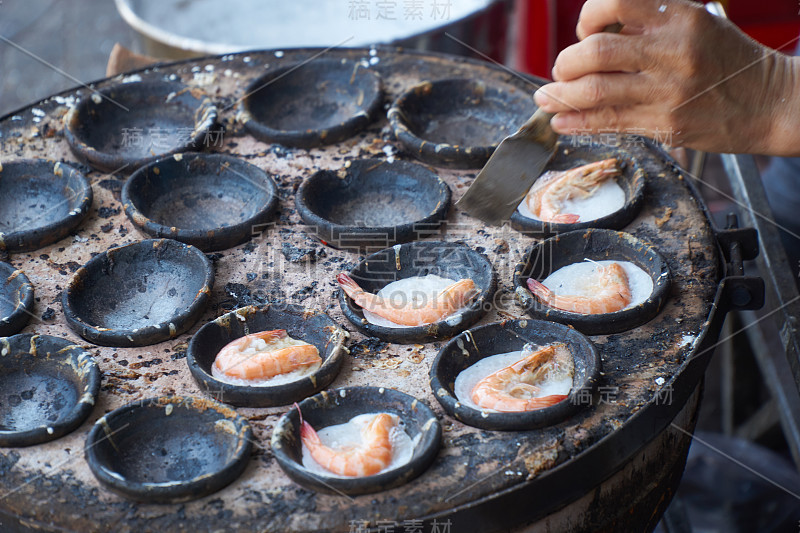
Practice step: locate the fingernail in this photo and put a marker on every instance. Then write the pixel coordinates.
(541, 98)
(558, 123)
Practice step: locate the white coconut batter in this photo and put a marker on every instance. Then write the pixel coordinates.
(579, 279)
(349, 433)
(416, 289)
(606, 199)
(468, 378)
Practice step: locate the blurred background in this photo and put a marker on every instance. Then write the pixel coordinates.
(47, 46)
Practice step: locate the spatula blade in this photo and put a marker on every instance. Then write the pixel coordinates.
(511, 171)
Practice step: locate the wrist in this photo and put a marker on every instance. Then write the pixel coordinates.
(782, 120)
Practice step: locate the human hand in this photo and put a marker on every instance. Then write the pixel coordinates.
(675, 70)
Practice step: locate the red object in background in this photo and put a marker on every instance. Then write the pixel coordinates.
(545, 27)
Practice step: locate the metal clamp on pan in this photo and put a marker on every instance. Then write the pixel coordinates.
(739, 292)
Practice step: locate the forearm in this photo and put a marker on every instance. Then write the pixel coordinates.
(677, 70)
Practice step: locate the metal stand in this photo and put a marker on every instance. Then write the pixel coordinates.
(781, 375)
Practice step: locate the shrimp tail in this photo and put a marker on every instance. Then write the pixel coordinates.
(537, 288)
(565, 218)
(547, 401)
(308, 435)
(348, 284)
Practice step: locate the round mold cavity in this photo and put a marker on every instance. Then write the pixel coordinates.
(16, 300)
(458, 123)
(631, 180)
(124, 126)
(169, 449)
(139, 294)
(323, 101)
(313, 327)
(471, 346)
(372, 204)
(446, 259)
(41, 201)
(338, 406)
(565, 249)
(49, 387)
(211, 201)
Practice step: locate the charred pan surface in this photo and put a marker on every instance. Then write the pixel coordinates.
(372, 203)
(41, 201)
(126, 125)
(457, 123)
(16, 300)
(639, 365)
(307, 105)
(211, 201)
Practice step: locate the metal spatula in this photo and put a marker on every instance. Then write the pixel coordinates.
(513, 168)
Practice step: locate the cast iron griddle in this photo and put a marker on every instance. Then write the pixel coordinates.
(51, 485)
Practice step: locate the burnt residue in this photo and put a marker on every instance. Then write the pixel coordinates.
(372, 204)
(41, 202)
(306, 254)
(369, 347)
(211, 201)
(458, 123)
(306, 107)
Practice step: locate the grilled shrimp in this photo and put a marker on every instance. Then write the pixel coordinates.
(264, 355)
(547, 195)
(515, 387)
(431, 310)
(370, 457)
(611, 293)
